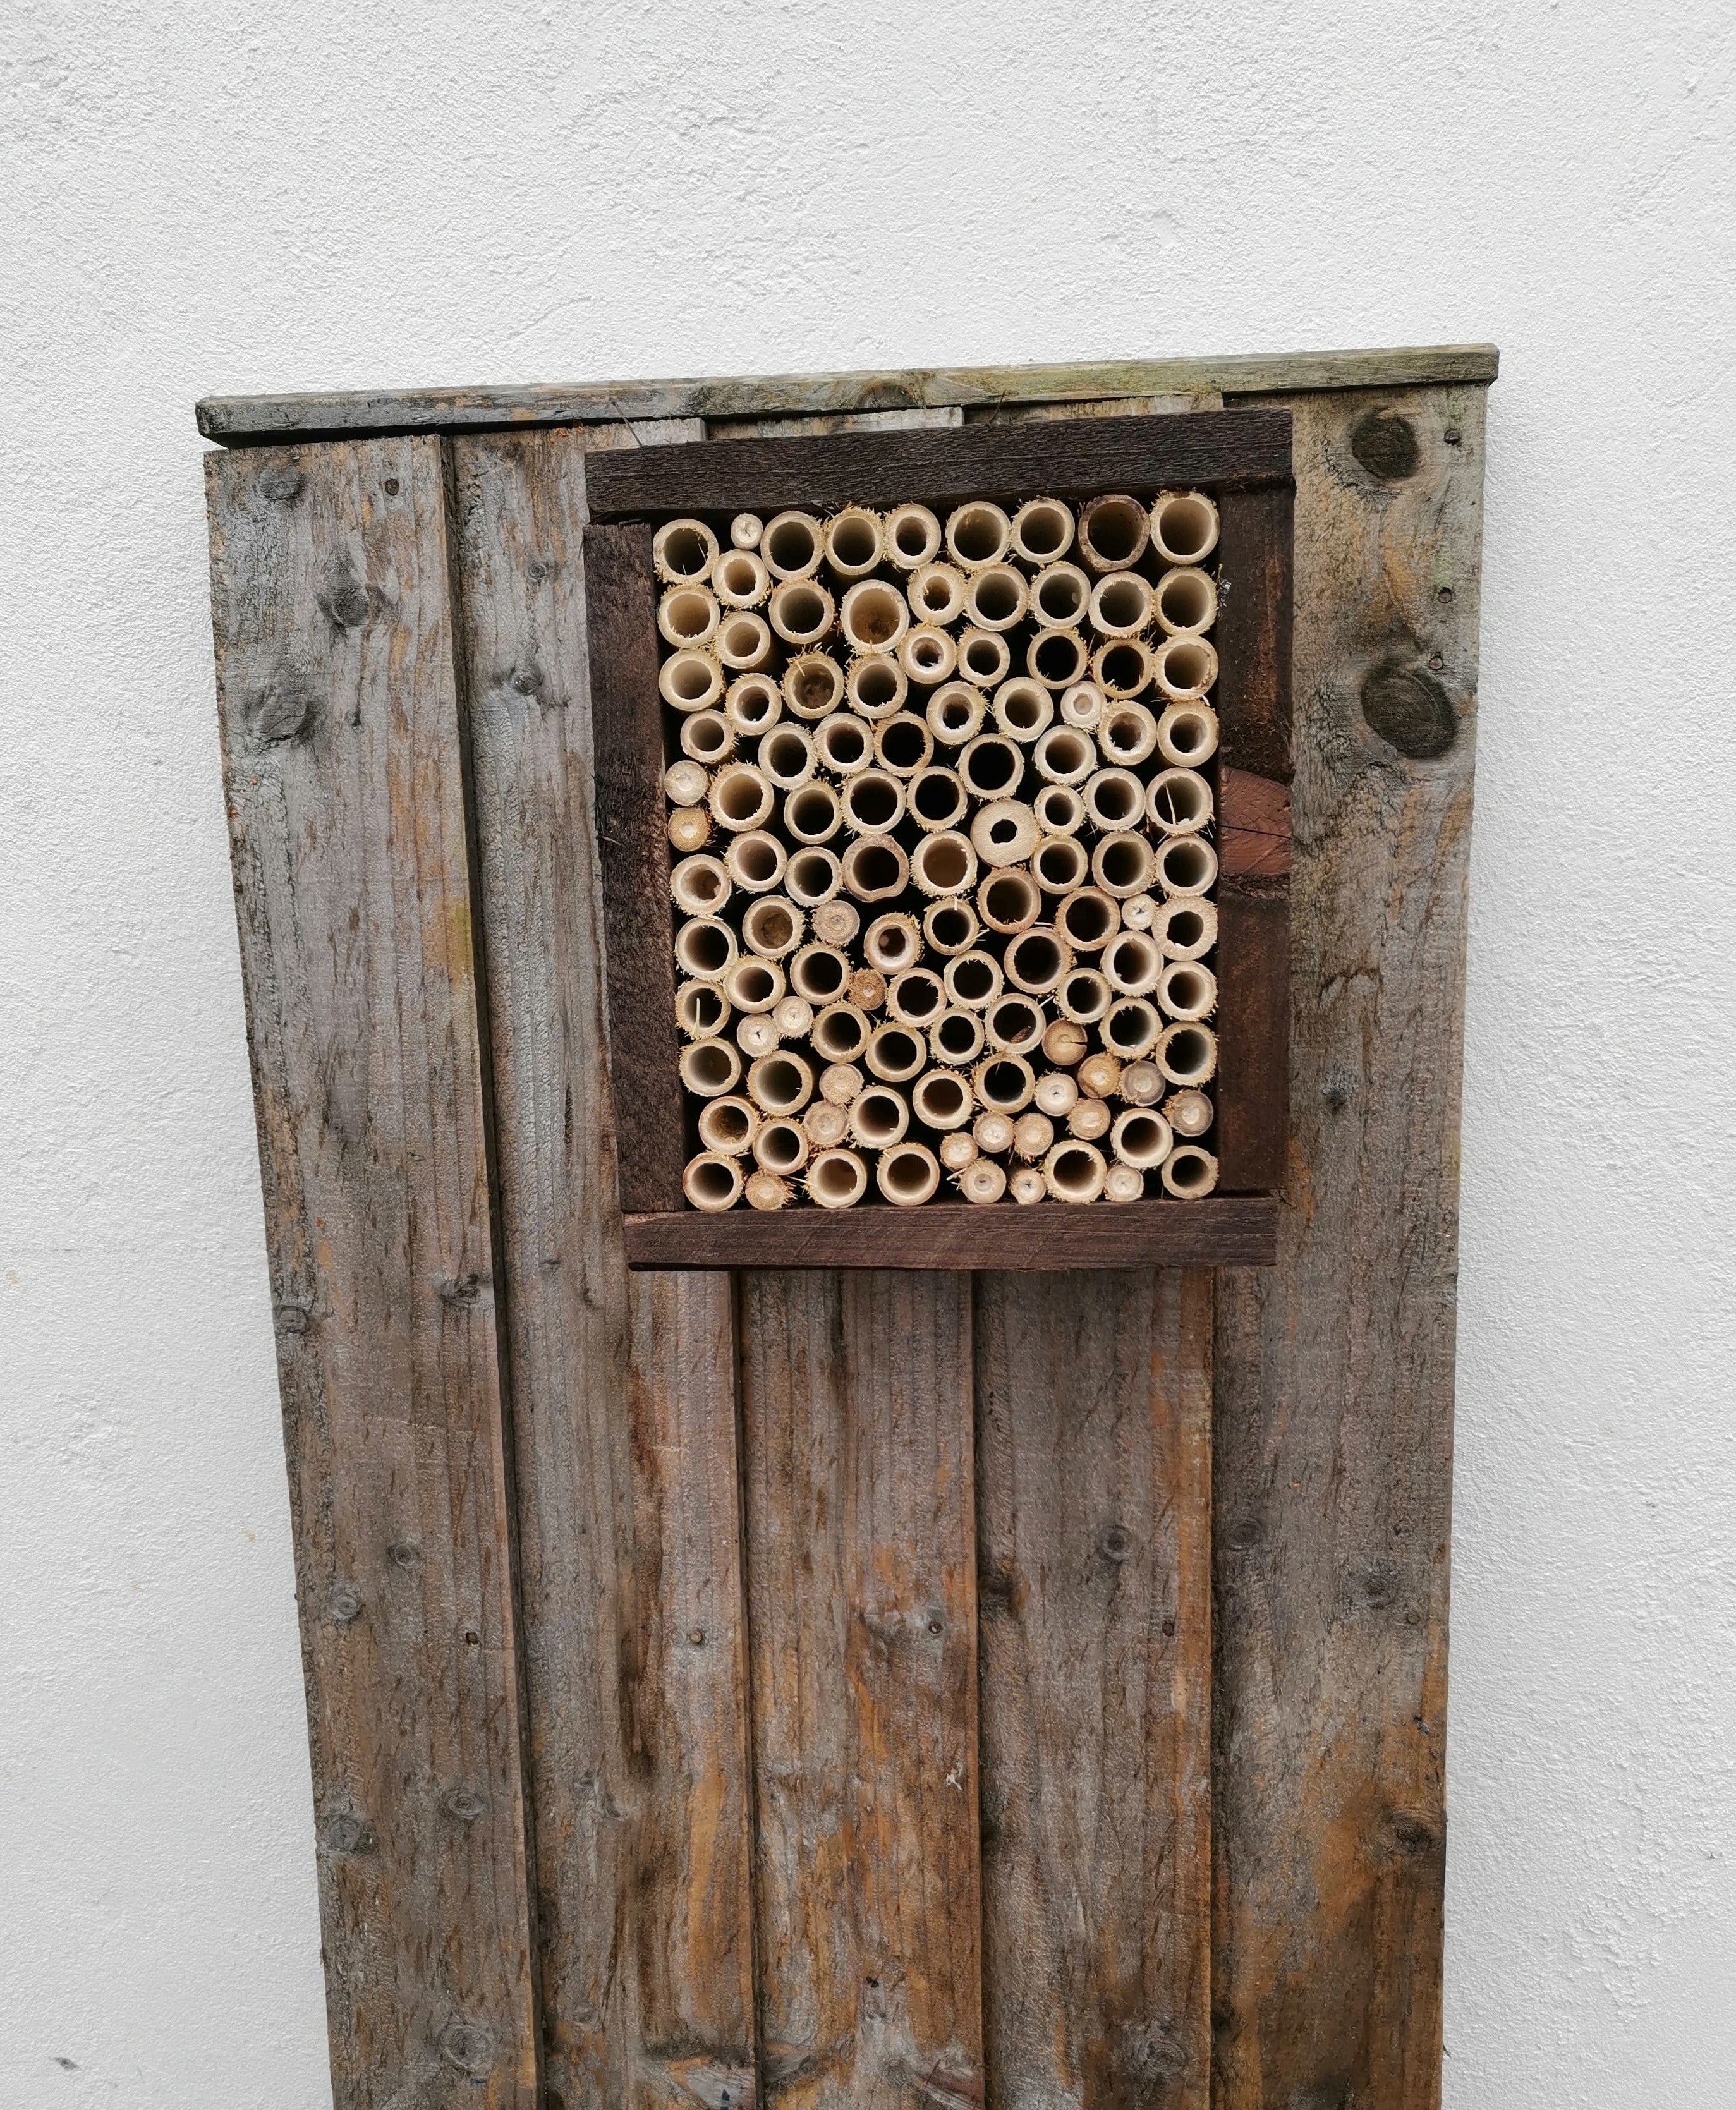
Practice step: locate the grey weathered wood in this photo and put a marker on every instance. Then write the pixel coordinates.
(340, 736)
(623, 1389)
(1335, 1370)
(243, 420)
(1094, 1411)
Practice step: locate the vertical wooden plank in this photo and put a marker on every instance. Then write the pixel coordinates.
(343, 775)
(856, 1415)
(623, 1386)
(1093, 1412)
(1335, 1370)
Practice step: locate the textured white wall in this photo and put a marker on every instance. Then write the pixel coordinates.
(210, 198)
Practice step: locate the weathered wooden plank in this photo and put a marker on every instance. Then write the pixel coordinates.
(241, 420)
(917, 419)
(1013, 411)
(342, 769)
(1223, 1231)
(1253, 630)
(856, 1419)
(1094, 1409)
(1253, 965)
(623, 1389)
(1334, 1372)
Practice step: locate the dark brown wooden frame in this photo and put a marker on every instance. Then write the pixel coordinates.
(1244, 458)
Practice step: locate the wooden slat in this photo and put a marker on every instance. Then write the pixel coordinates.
(1219, 448)
(1094, 1409)
(856, 1415)
(1334, 1372)
(342, 766)
(623, 1389)
(916, 419)
(241, 420)
(1252, 1086)
(1175, 401)
(1223, 1231)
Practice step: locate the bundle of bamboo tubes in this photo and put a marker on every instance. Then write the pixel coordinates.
(941, 801)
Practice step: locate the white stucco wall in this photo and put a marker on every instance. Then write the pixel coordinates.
(207, 198)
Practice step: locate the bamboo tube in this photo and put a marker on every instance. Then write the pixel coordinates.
(1121, 864)
(1032, 1135)
(820, 973)
(973, 980)
(956, 1149)
(752, 984)
(1059, 809)
(1121, 667)
(1140, 912)
(992, 1131)
(1074, 1172)
(1065, 1042)
(1184, 527)
(1115, 798)
(1082, 706)
(892, 943)
(1132, 1027)
(1087, 918)
(1027, 1185)
(868, 988)
(1008, 900)
(1056, 1093)
(1186, 928)
(876, 685)
(1058, 657)
(683, 552)
(699, 885)
(1090, 1120)
(791, 545)
(709, 1068)
(755, 860)
(840, 1032)
(1042, 530)
(1123, 1183)
(1013, 1024)
(996, 597)
(853, 542)
(839, 1082)
(875, 868)
(1190, 1172)
(935, 798)
(1100, 1076)
(874, 616)
(813, 685)
(1084, 997)
(1187, 734)
(793, 1016)
(825, 1125)
(711, 1182)
(755, 1034)
(927, 654)
(1186, 864)
(690, 680)
(1035, 960)
(838, 1180)
(983, 1182)
(813, 875)
(1003, 1085)
(685, 783)
(745, 531)
(1060, 594)
(895, 1054)
(977, 534)
(704, 947)
(1113, 531)
(781, 1146)
(743, 642)
(1140, 1138)
(728, 1125)
(954, 713)
(1179, 801)
(687, 615)
(1126, 733)
(1003, 831)
(813, 813)
(708, 738)
(984, 658)
(1059, 864)
(787, 756)
(1186, 601)
(912, 536)
(843, 743)
(950, 927)
(878, 1117)
(1064, 755)
(942, 1099)
(740, 579)
(906, 1175)
(1188, 991)
(767, 1190)
(1131, 961)
(740, 797)
(916, 997)
(1022, 709)
(1120, 605)
(902, 744)
(991, 766)
(701, 1010)
(956, 1036)
(772, 926)
(753, 704)
(1142, 1084)
(1187, 1054)
(937, 593)
(1189, 1113)
(837, 921)
(780, 1084)
(1184, 667)
(801, 611)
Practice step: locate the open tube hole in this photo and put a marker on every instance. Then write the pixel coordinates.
(840, 1033)
(690, 680)
(1187, 733)
(740, 579)
(876, 685)
(813, 813)
(780, 1084)
(1187, 600)
(687, 615)
(787, 756)
(1121, 864)
(1189, 991)
(813, 875)
(1008, 900)
(1184, 526)
(1065, 754)
(942, 1099)
(1131, 1026)
(1113, 531)
(741, 797)
(1189, 1054)
(820, 973)
(1086, 919)
(936, 797)
(699, 1009)
(879, 1117)
(1059, 864)
(771, 927)
(915, 996)
(1075, 1172)
(991, 765)
(1190, 1172)
(996, 597)
(753, 704)
(684, 550)
(744, 641)
(895, 1053)
(1120, 604)
(1141, 1140)
(801, 612)
(853, 542)
(705, 947)
(814, 685)
(700, 884)
(727, 1125)
(977, 534)
(1186, 864)
(1132, 962)
(1186, 667)
(1179, 800)
(1059, 809)
(972, 979)
(708, 737)
(944, 863)
(891, 943)
(1014, 1023)
(904, 744)
(957, 1037)
(838, 1180)
(844, 743)
(1122, 667)
(1042, 529)
(875, 615)
(712, 1183)
(873, 802)
(937, 593)
(1127, 732)
(1022, 709)
(1004, 1084)
(1035, 961)
(908, 1174)
(710, 1067)
(1056, 658)
(753, 984)
(913, 536)
(949, 926)
(790, 545)
(781, 1146)
(875, 868)
(1084, 996)
(983, 657)
(1059, 595)
(1115, 798)
(955, 713)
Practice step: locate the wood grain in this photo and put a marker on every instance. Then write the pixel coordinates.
(624, 1387)
(1335, 1371)
(339, 720)
(1253, 987)
(856, 1422)
(1253, 825)
(1093, 1409)
(1252, 632)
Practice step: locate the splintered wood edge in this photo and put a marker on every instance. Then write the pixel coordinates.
(245, 420)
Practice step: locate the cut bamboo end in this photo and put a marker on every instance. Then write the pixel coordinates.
(712, 1182)
(868, 988)
(1113, 531)
(685, 783)
(838, 1180)
(1084, 996)
(996, 597)
(1132, 1026)
(841, 1083)
(1003, 832)
(1142, 1084)
(973, 980)
(1056, 658)
(977, 534)
(701, 1010)
(1003, 1085)
(1027, 1185)
(690, 680)
(1140, 1138)
(752, 984)
(1059, 864)
(1186, 599)
(1041, 530)
(1036, 958)
(687, 615)
(903, 745)
(710, 1068)
(1140, 912)
(683, 552)
(704, 946)
(1074, 1171)
(956, 1149)
(743, 642)
(767, 1190)
(1189, 1113)
(1122, 667)
(1188, 991)
(753, 704)
(956, 1036)
(873, 801)
(813, 876)
(840, 1033)
(1187, 927)
(843, 743)
(1023, 709)
(991, 766)
(915, 997)
(741, 797)
(792, 545)
(992, 1132)
(780, 1084)
(1189, 1173)
(813, 814)
(1121, 863)
(837, 922)
(876, 685)
(1126, 733)
(813, 685)
(896, 1053)
(820, 972)
(772, 926)
(937, 593)
(892, 943)
(935, 798)
(950, 927)
(1064, 755)
(740, 579)
(1014, 1023)
(825, 1124)
(984, 657)
(927, 654)
(1132, 961)
(1114, 797)
(1122, 605)
(1008, 900)
(728, 1125)
(755, 860)
(1056, 1093)
(1082, 705)
(955, 714)
(874, 616)
(787, 756)
(1100, 1076)
(781, 1145)
(745, 531)
(708, 738)
(983, 1182)
(1184, 667)
(1065, 1041)
(1184, 527)
(699, 885)
(1186, 864)
(1059, 808)
(1187, 734)
(854, 542)
(1188, 1054)
(912, 536)
(1087, 918)
(1122, 1183)
(942, 1099)
(1033, 1134)
(1179, 801)
(802, 612)
(793, 1016)
(879, 1118)
(1090, 1120)
(1060, 595)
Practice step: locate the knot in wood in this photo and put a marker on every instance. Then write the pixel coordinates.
(346, 1831)
(404, 1553)
(346, 1604)
(280, 485)
(463, 1802)
(470, 2047)
(1409, 709)
(1115, 1542)
(1385, 444)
